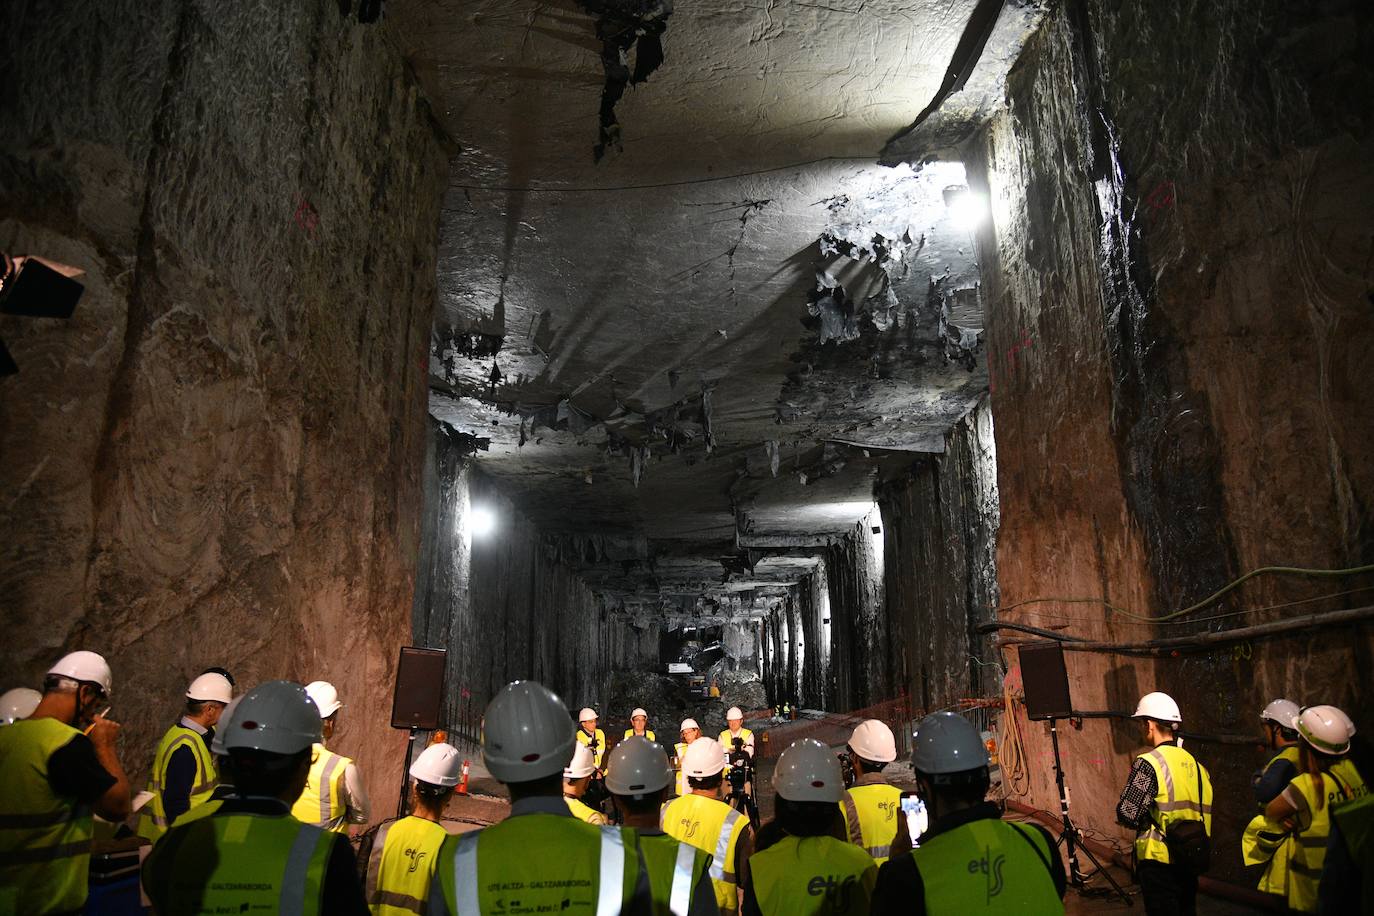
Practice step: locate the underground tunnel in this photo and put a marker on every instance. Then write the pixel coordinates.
(814, 359)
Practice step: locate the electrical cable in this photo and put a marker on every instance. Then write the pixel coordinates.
(1263, 570)
(1240, 613)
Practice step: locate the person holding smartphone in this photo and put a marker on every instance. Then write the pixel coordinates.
(969, 860)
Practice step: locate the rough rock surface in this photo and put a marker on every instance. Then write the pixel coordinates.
(217, 460)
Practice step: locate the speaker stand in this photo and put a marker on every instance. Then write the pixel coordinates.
(402, 807)
(1068, 837)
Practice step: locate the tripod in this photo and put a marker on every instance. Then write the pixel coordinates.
(1069, 835)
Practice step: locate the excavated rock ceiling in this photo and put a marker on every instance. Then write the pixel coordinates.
(682, 306)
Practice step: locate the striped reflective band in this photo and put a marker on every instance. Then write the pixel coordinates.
(611, 888)
(292, 899)
(47, 853)
(681, 895)
(398, 900)
(325, 788)
(720, 868)
(879, 852)
(465, 875)
(374, 862)
(851, 816)
(1173, 804)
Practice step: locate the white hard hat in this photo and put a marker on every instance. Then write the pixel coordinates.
(87, 667)
(17, 704)
(637, 766)
(211, 686)
(734, 712)
(1281, 712)
(1323, 729)
(526, 734)
(873, 740)
(808, 771)
(277, 716)
(583, 762)
(639, 711)
(1158, 706)
(326, 697)
(226, 719)
(947, 743)
(704, 757)
(438, 765)
(1349, 722)
(586, 714)
(689, 723)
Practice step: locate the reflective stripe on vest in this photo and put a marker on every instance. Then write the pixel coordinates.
(232, 863)
(501, 854)
(815, 875)
(870, 815)
(321, 803)
(404, 856)
(988, 866)
(153, 820)
(1178, 776)
(672, 869)
(681, 895)
(45, 838)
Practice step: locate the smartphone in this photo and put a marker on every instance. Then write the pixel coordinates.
(917, 821)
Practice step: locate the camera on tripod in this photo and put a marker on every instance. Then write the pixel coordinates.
(741, 779)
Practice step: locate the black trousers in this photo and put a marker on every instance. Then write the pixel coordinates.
(1166, 889)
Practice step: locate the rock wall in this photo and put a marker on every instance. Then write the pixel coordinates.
(939, 525)
(505, 605)
(1177, 275)
(217, 460)
(858, 671)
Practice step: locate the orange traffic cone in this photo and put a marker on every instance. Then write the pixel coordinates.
(463, 780)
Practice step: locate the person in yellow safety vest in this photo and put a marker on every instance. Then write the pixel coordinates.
(808, 871)
(639, 725)
(223, 765)
(709, 824)
(334, 795)
(57, 766)
(968, 860)
(540, 856)
(735, 731)
(690, 731)
(17, 704)
(1347, 882)
(1305, 806)
(250, 855)
(871, 805)
(577, 776)
(401, 864)
(638, 778)
(1166, 784)
(183, 774)
(590, 736)
(1282, 766)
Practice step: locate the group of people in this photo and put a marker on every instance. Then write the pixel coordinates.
(248, 810)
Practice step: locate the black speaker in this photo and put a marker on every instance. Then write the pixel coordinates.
(419, 696)
(1045, 681)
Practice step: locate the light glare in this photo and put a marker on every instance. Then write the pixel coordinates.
(481, 521)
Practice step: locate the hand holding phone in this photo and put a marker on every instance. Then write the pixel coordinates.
(917, 820)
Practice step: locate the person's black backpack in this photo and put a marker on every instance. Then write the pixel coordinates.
(1190, 848)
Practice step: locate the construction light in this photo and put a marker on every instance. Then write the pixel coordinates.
(968, 209)
(481, 521)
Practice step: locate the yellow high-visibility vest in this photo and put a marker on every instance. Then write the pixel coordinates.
(1351, 782)
(648, 733)
(600, 750)
(152, 819)
(583, 812)
(988, 866)
(1177, 798)
(239, 863)
(715, 828)
(401, 867)
(674, 870)
(1316, 797)
(870, 818)
(593, 872)
(45, 838)
(1356, 822)
(321, 802)
(1274, 880)
(813, 876)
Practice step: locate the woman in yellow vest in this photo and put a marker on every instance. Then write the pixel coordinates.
(808, 872)
(689, 731)
(184, 774)
(871, 805)
(639, 725)
(334, 796)
(1305, 806)
(577, 776)
(405, 852)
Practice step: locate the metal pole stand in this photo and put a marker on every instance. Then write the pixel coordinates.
(403, 806)
(1069, 835)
